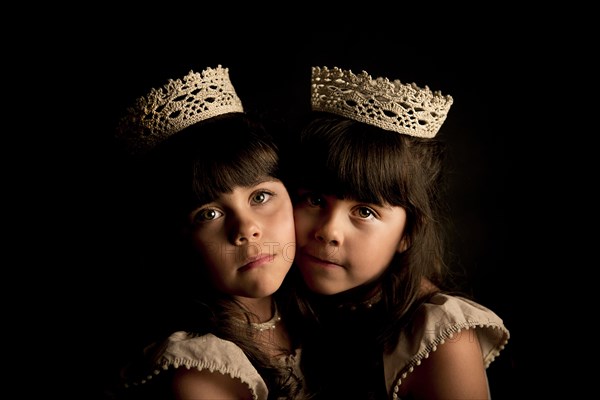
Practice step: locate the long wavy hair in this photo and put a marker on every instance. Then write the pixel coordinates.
(190, 169)
(350, 159)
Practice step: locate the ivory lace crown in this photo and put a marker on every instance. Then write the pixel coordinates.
(177, 105)
(390, 105)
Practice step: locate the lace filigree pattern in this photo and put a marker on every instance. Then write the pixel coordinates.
(177, 105)
(390, 105)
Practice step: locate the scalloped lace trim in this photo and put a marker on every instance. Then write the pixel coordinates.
(212, 367)
(441, 339)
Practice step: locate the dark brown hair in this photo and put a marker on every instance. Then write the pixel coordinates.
(191, 168)
(350, 159)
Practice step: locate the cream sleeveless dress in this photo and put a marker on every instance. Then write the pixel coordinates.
(438, 320)
(208, 352)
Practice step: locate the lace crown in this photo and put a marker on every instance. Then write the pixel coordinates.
(390, 105)
(177, 105)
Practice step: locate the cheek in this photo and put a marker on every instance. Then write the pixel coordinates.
(286, 229)
(380, 247)
(284, 221)
(204, 241)
(302, 225)
(208, 251)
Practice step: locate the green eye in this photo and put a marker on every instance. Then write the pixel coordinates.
(260, 197)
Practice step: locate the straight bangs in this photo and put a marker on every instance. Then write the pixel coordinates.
(356, 161)
(213, 157)
(245, 166)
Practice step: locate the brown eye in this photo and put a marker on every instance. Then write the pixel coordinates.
(314, 200)
(207, 214)
(365, 212)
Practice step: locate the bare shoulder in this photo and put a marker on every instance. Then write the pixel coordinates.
(193, 384)
(454, 371)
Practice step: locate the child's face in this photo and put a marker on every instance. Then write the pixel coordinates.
(345, 243)
(246, 239)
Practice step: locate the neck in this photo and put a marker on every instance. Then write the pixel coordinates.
(360, 297)
(261, 309)
(262, 314)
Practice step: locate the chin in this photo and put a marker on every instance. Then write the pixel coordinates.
(321, 287)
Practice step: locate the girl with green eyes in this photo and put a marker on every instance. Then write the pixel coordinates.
(220, 227)
(381, 323)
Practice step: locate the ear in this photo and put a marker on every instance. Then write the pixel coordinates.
(403, 245)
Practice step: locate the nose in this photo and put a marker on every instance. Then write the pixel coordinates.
(329, 230)
(244, 230)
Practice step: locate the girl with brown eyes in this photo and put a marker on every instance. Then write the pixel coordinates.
(382, 321)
